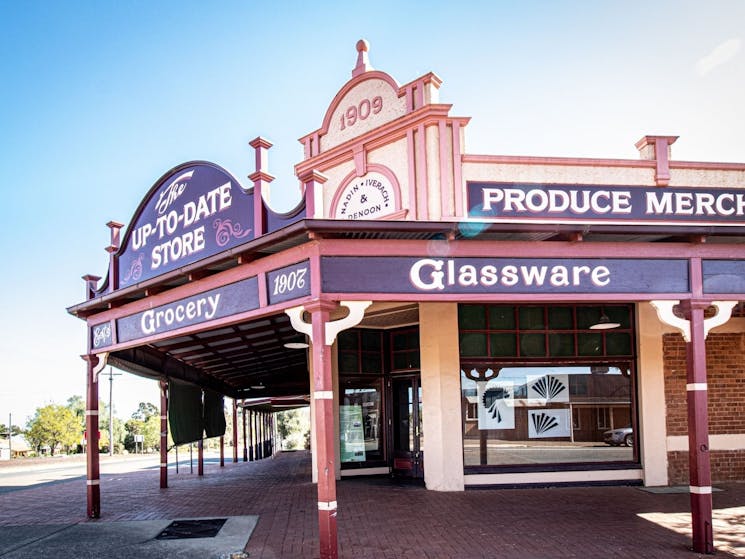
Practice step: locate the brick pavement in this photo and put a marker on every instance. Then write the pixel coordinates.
(379, 518)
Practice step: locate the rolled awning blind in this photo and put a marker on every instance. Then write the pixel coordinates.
(185, 412)
(214, 414)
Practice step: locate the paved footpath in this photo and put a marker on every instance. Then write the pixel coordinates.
(379, 518)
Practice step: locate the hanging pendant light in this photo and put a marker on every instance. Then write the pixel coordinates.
(604, 323)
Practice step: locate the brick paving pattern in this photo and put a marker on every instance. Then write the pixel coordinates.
(381, 518)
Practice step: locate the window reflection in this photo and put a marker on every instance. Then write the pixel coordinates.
(360, 420)
(546, 414)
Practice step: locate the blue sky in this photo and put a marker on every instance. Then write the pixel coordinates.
(99, 99)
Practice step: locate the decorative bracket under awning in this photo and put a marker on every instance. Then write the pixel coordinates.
(667, 316)
(355, 316)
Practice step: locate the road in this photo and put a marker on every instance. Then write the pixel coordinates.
(20, 474)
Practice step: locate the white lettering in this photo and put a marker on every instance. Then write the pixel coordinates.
(434, 279)
(428, 275)
(153, 321)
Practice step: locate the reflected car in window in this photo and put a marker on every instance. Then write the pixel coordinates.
(617, 437)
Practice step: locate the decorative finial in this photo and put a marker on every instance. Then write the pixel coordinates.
(363, 64)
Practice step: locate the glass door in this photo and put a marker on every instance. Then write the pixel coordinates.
(406, 398)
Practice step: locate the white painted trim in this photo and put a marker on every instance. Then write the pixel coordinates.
(667, 316)
(706, 490)
(322, 505)
(102, 359)
(91, 412)
(296, 319)
(93, 482)
(552, 477)
(355, 316)
(693, 386)
(716, 442)
(366, 472)
(163, 465)
(323, 395)
(724, 312)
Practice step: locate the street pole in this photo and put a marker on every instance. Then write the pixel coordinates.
(111, 411)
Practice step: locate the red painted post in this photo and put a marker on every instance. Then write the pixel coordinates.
(250, 448)
(235, 431)
(262, 436)
(324, 422)
(200, 457)
(222, 451)
(93, 477)
(698, 430)
(245, 450)
(163, 434)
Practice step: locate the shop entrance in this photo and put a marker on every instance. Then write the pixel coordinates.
(408, 438)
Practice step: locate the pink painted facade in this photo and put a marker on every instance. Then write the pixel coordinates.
(412, 268)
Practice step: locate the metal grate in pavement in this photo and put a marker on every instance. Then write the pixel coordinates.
(183, 529)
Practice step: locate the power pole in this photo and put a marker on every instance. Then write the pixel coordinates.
(112, 374)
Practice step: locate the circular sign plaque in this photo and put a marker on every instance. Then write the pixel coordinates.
(370, 196)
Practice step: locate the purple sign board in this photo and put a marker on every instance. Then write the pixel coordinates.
(288, 283)
(404, 274)
(228, 300)
(193, 212)
(622, 205)
(724, 276)
(101, 335)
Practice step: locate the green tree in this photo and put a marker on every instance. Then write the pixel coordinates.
(145, 410)
(53, 426)
(146, 422)
(15, 429)
(291, 426)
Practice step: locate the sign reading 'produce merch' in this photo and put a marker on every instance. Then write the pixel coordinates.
(403, 274)
(195, 211)
(605, 204)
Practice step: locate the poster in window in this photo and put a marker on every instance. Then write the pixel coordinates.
(352, 434)
(546, 389)
(543, 424)
(496, 404)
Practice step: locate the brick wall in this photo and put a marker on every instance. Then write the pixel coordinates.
(726, 377)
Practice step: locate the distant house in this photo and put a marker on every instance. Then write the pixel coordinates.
(18, 448)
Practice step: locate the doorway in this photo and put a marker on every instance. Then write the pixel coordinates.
(407, 436)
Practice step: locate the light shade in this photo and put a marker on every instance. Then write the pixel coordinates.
(297, 342)
(604, 323)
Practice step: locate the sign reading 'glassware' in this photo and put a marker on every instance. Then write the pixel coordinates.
(465, 275)
(557, 203)
(197, 210)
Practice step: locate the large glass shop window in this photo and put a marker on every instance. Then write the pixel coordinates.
(361, 396)
(360, 420)
(540, 386)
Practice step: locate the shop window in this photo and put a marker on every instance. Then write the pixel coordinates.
(540, 386)
(603, 418)
(527, 416)
(360, 419)
(540, 331)
(532, 318)
(405, 350)
(360, 351)
(501, 345)
(576, 418)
